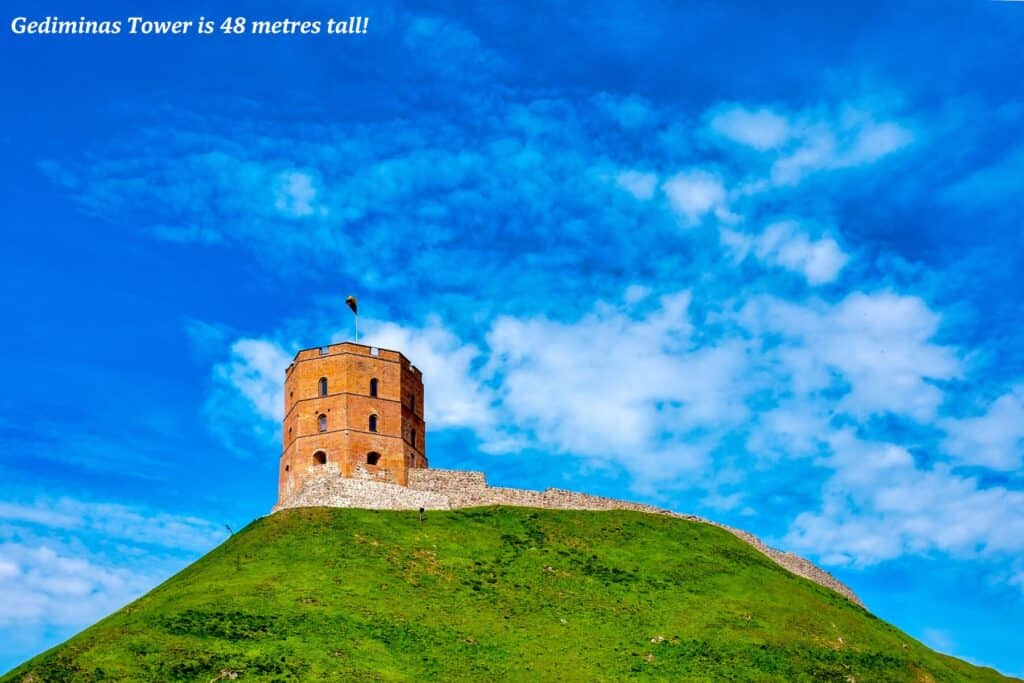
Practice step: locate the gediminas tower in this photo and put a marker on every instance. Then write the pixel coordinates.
(353, 409)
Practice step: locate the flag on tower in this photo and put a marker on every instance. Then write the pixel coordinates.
(353, 304)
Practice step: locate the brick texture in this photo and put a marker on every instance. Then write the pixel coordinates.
(329, 406)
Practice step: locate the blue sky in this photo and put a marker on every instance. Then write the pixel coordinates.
(762, 266)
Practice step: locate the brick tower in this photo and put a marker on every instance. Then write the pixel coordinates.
(352, 411)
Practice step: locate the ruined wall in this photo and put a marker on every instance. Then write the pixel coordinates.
(363, 490)
(433, 489)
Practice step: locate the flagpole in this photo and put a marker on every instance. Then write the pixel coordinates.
(353, 306)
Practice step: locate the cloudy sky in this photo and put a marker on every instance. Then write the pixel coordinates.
(762, 266)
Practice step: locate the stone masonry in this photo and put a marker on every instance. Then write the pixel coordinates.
(433, 489)
(356, 408)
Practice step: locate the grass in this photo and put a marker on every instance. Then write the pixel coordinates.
(489, 594)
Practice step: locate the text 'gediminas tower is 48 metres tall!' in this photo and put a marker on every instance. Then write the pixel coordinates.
(351, 411)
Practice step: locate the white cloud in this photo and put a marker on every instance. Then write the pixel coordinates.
(994, 439)
(761, 129)
(616, 388)
(47, 586)
(794, 428)
(115, 521)
(640, 185)
(256, 370)
(874, 141)
(8, 569)
(295, 194)
(784, 244)
(66, 563)
(853, 139)
(880, 345)
(454, 397)
(880, 505)
(808, 141)
(694, 193)
(636, 293)
(820, 260)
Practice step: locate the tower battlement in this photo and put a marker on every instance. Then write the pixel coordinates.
(352, 409)
(352, 348)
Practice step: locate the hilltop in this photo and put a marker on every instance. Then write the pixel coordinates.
(492, 593)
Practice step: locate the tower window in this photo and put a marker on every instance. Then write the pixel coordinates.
(412, 460)
(321, 422)
(372, 458)
(373, 387)
(413, 438)
(373, 423)
(412, 401)
(320, 458)
(323, 386)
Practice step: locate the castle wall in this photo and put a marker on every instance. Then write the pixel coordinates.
(434, 489)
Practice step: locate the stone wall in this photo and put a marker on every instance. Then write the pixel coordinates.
(433, 489)
(330, 489)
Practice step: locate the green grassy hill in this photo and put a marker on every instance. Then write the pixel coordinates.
(489, 594)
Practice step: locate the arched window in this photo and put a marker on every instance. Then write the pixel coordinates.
(373, 387)
(323, 386)
(321, 422)
(372, 458)
(373, 423)
(319, 458)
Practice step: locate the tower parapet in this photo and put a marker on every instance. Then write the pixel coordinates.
(353, 410)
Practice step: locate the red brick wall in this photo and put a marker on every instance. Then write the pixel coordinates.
(347, 407)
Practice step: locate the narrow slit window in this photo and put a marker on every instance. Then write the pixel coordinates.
(323, 386)
(373, 423)
(321, 423)
(373, 387)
